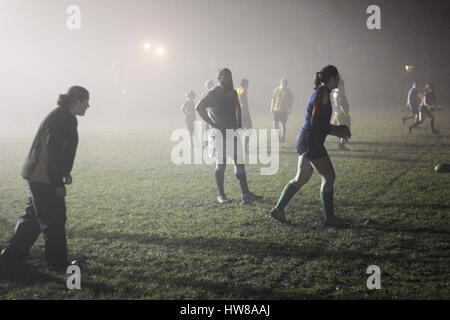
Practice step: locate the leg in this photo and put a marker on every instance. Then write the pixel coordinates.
(55, 235)
(219, 175)
(283, 127)
(304, 172)
(325, 169)
(25, 235)
(433, 129)
(419, 120)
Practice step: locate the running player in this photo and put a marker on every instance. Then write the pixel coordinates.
(310, 146)
(220, 109)
(189, 110)
(242, 92)
(426, 108)
(281, 106)
(341, 107)
(412, 103)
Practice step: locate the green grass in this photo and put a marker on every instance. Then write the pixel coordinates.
(152, 230)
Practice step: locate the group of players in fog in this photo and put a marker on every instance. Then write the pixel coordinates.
(49, 163)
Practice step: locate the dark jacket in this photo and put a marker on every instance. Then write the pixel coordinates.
(53, 150)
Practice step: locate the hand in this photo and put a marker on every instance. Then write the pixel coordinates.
(61, 191)
(68, 179)
(342, 131)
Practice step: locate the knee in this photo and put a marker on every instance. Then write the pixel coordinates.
(221, 167)
(329, 178)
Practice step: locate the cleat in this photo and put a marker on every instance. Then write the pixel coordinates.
(334, 221)
(278, 215)
(250, 196)
(245, 202)
(223, 199)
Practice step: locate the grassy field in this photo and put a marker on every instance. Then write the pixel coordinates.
(153, 230)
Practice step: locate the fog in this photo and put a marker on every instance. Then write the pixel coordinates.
(262, 41)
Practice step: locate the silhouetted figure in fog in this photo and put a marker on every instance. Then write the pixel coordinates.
(281, 107)
(426, 108)
(242, 92)
(310, 146)
(220, 108)
(189, 110)
(47, 169)
(342, 109)
(412, 103)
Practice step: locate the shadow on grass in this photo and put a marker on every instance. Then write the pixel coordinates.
(237, 246)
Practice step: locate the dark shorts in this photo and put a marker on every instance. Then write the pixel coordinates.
(413, 109)
(280, 116)
(308, 150)
(425, 111)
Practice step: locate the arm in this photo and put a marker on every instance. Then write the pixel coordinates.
(201, 107)
(290, 102)
(56, 137)
(320, 126)
(238, 114)
(183, 108)
(273, 100)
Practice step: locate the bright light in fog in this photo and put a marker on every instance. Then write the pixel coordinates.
(124, 91)
(409, 68)
(160, 50)
(147, 46)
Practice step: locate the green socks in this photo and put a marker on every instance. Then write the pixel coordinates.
(327, 202)
(288, 192)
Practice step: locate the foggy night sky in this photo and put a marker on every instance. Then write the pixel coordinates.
(259, 40)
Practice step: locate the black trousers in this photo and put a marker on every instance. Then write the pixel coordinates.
(45, 212)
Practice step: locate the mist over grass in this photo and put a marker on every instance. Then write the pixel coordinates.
(153, 230)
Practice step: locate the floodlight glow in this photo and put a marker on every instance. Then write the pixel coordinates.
(124, 91)
(160, 50)
(409, 68)
(147, 46)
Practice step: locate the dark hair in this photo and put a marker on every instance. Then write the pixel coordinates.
(221, 76)
(324, 75)
(74, 93)
(222, 73)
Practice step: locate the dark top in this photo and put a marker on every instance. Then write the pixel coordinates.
(54, 147)
(223, 108)
(413, 98)
(318, 116)
(189, 109)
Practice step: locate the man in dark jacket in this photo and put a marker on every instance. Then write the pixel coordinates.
(47, 169)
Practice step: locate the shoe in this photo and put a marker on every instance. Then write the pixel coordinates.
(223, 199)
(250, 196)
(334, 221)
(278, 215)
